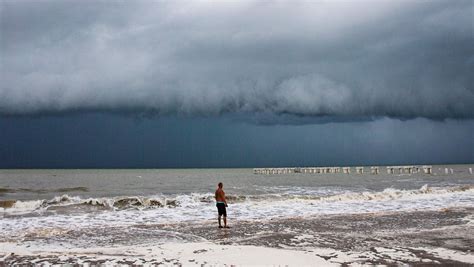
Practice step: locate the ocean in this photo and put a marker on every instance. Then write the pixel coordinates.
(128, 207)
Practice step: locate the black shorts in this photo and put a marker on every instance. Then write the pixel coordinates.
(221, 209)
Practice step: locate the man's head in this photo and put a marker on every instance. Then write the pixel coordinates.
(220, 185)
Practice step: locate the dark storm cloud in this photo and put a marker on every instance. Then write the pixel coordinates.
(330, 60)
(110, 141)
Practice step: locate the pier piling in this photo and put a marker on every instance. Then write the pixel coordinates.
(425, 169)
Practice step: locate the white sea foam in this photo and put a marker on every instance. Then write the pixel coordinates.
(194, 200)
(188, 254)
(206, 253)
(22, 207)
(200, 207)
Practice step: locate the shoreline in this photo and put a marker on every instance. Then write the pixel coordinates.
(420, 237)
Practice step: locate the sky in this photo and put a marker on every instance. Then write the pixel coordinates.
(184, 84)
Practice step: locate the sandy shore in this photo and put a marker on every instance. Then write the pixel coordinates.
(167, 254)
(417, 238)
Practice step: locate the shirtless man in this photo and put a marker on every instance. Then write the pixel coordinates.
(221, 204)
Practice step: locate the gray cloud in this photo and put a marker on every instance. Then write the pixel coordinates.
(306, 59)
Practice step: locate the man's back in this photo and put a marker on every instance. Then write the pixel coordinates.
(220, 195)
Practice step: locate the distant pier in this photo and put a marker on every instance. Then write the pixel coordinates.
(426, 169)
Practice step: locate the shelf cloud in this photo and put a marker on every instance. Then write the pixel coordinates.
(324, 59)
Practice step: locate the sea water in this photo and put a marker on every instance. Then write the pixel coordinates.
(58, 200)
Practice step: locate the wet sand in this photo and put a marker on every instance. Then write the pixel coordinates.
(417, 238)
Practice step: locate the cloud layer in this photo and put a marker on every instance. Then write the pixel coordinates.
(317, 59)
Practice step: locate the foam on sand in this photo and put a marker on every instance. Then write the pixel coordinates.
(174, 253)
(214, 254)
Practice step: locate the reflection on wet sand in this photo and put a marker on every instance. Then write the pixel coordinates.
(443, 236)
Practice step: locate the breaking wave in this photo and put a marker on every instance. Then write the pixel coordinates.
(68, 203)
(391, 193)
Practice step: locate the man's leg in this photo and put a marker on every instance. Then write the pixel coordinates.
(225, 221)
(219, 219)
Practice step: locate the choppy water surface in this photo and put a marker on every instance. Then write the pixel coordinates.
(63, 199)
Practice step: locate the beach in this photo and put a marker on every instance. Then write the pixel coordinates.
(436, 237)
(298, 220)
(327, 132)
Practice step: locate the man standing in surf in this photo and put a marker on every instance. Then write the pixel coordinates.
(221, 205)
